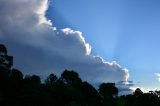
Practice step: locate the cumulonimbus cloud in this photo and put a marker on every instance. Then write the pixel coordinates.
(38, 48)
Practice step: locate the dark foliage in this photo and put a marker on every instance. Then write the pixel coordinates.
(67, 90)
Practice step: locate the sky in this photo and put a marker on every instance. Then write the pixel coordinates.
(103, 40)
(126, 31)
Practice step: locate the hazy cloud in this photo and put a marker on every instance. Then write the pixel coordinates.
(40, 49)
(125, 87)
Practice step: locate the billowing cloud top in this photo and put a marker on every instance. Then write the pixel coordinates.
(40, 49)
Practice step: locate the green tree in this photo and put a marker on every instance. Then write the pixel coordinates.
(70, 78)
(108, 90)
(90, 94)
(6, 61)
(138, 92)
(51, 80)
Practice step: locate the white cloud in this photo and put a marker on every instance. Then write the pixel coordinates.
(38, 48)
(157, 76)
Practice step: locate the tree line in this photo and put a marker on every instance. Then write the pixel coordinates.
(66, 90)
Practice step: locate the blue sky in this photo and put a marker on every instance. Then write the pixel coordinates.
(126, 31)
